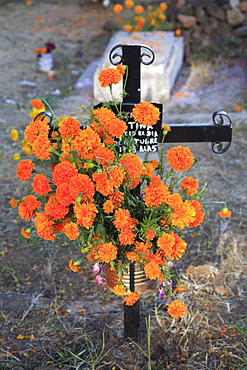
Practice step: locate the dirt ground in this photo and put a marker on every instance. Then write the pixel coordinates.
(51, 317)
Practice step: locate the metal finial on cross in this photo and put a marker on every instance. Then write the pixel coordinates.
(218, 133)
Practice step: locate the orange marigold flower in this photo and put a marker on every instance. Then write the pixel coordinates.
(118, 8)
(28, 206)
(119, 289)
(180, 158)
(103, 183)
(69, 127)
(156, 193)
(85, 214)
(108, 206)
(138, 9)
(85, 143)
(13, 203)
(36, 103)
(104, 155)
(189, 185)
(183, 215)
(142, 247)
(42, 147)
(81, 185)
(108, 124)
(129, 3)
(117, 128)
(126, 236)
(128, 27)
(176, 251)
(163, 6)
(199, 217)
(224, 212)
(44, 226)
(121, 69)
(152, 270)
(24, 169)
(176, 309)
(178, 32)
(107, 252)
(133, 167)
(150, 233)
(41, 184)
(63, 172)
(158, 257)
(149, 169)
(131, 298)
(54, 209)
(166, 241)
(71, 230)
(63, 194)
(146, 114)
(116, 174)
(109, 76)
(133, 256)
(122, 218)
(59, 226)
(36, 128)
(73, 267)
(25, 234)
(116, 198)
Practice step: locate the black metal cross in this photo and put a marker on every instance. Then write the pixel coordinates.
(219, 133)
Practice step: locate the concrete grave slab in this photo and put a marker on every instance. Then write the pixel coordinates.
(158, 78)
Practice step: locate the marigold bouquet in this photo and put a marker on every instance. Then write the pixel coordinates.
(135, 17)
(119, 208)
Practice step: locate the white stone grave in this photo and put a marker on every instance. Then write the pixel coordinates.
(158, 78)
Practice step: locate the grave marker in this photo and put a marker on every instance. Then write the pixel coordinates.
(220, 131)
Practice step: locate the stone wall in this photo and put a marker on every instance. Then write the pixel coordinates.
(209, 21)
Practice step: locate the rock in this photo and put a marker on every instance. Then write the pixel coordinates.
(241, 31)
(187, 21)
(180, 3)
(234, 3)
(187, 10)
(215, 11)
(210, 27)
(26, 83)
(235, 17)
(243, 6)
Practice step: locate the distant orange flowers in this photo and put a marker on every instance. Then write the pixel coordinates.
(138, 9)
(118, 8)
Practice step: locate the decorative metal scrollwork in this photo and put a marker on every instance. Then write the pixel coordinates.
(220, 118)
(45, 114)
(149, 54)
(152, 56)
(116, 55)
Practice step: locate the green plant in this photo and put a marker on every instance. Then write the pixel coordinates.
(135, 17)
(87, 356)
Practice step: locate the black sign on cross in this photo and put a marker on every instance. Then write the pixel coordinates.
(219, 133)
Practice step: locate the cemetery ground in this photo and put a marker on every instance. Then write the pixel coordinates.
(51, 317)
